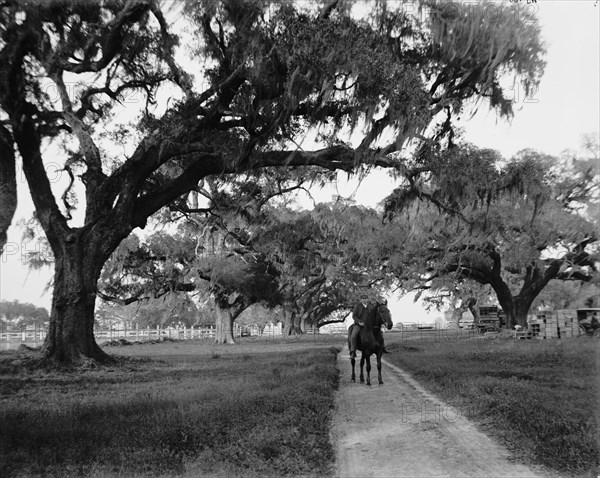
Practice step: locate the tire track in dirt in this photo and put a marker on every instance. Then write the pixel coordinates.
(399, 429)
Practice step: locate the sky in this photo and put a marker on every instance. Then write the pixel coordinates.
(551, 119)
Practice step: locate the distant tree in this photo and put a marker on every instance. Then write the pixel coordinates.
(166, 263)
(115, 316)
(301, 260)
(22, 314)
(170, 310)
(324, 258)
(568, 295)
(458, 295)
(256, 315)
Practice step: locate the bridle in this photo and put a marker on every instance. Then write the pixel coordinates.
(380, 318)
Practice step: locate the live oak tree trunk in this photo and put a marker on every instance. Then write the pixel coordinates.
(297, 324)
(292, 324)
(290, 318)
(516, 309)
(303, 323)
(70, 338)
(292, 327)
(474, 309)
(224, 326)
(8, 184)
(288, 325)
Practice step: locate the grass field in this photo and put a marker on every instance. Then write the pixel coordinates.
(263, 407)
(186, 409)
(540, 398)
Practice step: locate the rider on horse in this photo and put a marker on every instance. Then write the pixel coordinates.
(360, 314)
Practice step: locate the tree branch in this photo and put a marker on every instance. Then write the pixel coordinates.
(86, 143)
(180, 77)
(182, 287)
(110, 40)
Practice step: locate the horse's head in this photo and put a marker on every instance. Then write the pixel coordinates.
(384, 317)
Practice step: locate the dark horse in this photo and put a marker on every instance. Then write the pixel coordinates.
(370, 341)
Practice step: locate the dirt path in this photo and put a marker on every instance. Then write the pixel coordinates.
(399, 430)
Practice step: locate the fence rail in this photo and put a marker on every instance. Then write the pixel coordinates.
(28, 336)
(142, 334)
(11, 339)
(194, 332)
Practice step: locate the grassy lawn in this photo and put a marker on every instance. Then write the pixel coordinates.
(191, 409)
(540, 398)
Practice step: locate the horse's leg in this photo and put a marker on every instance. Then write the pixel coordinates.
(350, 335)
(379, 366)
(369, 369)
(352, 361)
(362, 363)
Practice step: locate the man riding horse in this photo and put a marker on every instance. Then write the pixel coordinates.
(359, 314)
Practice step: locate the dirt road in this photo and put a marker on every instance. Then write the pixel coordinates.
(398, 429)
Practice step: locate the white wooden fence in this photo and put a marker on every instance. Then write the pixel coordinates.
(142, 334)
(24, 336)
(137, 333)
(12, 339)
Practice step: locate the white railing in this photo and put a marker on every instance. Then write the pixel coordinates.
(140, 334)
(25, 336)
(13, 339)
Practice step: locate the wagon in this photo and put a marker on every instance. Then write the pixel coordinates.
(588, 321)
(489, 319)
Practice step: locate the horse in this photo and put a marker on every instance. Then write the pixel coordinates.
(370, 341)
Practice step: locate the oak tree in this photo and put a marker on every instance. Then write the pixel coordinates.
(253, 79)
(513, 225)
